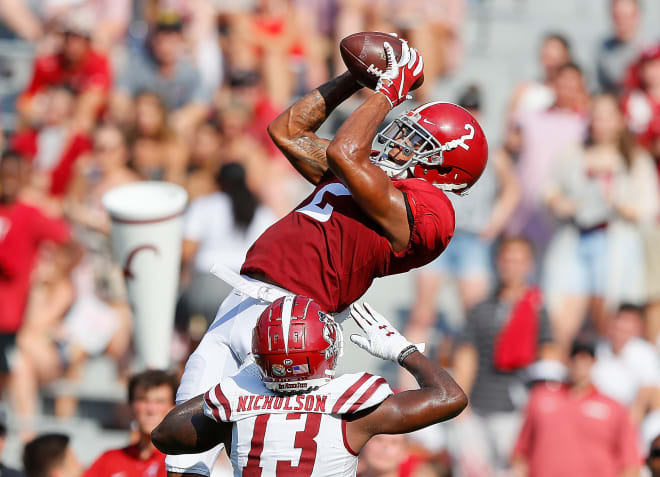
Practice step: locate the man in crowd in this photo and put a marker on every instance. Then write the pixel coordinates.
(628, 368)
(258, 411)
(77, 66)
(620, 50)
(166, 72)
(151, 396)
(50, 455)
(573, 429)
(369, 216)
(502, 335)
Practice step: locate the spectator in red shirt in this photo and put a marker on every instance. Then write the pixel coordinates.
(22, 230)
(573, 429)
(641, 102)
(151, 396)
(56, 146)
(76, 65)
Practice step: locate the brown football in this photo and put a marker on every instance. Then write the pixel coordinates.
(364, 56)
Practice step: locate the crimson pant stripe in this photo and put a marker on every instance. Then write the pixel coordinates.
(223, 401)
(211, 406)
(367, 394)
(349, 392)
(252, 468)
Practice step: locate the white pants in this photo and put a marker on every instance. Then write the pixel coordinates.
(220, 353)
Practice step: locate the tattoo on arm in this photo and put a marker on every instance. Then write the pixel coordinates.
(294, 130)
(309, 113)
(310, 152)
(301, 146)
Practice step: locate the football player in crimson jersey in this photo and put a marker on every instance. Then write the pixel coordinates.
(286, 414)
(371, 214)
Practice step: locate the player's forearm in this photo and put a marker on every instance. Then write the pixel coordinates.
(448, 398)
(352, 143)
(293, 131)
(186, 430)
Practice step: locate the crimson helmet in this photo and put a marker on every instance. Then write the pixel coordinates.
(296, 345)
(446, 145)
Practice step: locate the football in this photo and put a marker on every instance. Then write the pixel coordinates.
(364, 56)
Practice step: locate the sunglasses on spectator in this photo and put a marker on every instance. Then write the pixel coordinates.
(655, 453)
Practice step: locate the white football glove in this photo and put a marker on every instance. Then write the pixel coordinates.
(382, 340)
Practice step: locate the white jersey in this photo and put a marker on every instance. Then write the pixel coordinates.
(301, 435)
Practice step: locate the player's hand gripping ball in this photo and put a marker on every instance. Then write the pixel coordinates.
(365, 56)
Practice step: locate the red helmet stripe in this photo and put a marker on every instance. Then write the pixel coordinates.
(366, 395)
(350, 391)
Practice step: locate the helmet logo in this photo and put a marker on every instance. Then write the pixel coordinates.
(460, 142)
(278, 370)
(329, 325)
(287, 362)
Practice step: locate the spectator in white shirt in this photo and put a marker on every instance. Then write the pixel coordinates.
(219, 228)
(627, 368)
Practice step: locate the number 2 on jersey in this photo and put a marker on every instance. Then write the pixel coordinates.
(314, 209)
(304, 440)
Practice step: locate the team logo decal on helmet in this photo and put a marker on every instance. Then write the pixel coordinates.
(441, 143)
(278, 369)
(460, 142)
(296, 345)
(330, 328)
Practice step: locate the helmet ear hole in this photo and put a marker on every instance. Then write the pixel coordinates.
(443, 170)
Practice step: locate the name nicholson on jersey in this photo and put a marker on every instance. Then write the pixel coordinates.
(301, 402)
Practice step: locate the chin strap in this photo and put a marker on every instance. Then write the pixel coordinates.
(454, 187)
(392, 173)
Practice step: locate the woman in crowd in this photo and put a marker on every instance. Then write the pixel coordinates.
(206, 158)
(218, 229)
(156, 152)
(539, 95)
(43, 354)
(601, 190)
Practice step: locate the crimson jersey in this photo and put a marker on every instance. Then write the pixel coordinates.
(329, 249)
(301, 435)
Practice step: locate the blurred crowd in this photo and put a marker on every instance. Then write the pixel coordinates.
(555, 260)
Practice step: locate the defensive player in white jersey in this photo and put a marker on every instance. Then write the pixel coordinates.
(285, 414)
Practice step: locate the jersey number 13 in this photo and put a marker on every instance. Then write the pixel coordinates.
(304, 440)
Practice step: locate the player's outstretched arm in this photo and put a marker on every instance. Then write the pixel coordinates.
(186, 430)
(438, 399)
(293, 131)
(348, 153)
